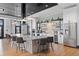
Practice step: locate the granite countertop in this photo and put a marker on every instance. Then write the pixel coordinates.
(38, 37)
(34, 37)
(28, 37)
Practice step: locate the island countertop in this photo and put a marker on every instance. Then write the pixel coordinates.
(26, 37)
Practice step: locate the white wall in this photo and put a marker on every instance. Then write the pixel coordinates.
(70, 14)
(8, 8)
(6, 25)
(78, 24)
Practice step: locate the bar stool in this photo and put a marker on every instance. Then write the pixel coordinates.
(19, 42)
(42, 43)
(8, 38)
(50, 41)
(14, 40)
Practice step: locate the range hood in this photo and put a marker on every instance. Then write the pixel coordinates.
(23, 10)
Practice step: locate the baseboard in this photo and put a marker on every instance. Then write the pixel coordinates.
(70, 46)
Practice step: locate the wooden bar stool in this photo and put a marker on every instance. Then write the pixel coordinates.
(8, 37)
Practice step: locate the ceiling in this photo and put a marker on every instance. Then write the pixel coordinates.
(55, 12)
(32, 8)
(46, 10)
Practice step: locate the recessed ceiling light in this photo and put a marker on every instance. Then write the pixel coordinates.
(46, 5)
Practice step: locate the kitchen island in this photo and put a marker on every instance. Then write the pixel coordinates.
(32, 44)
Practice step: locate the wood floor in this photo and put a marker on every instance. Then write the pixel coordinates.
(59, 50)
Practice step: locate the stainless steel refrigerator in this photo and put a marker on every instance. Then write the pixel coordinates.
(70, 34)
